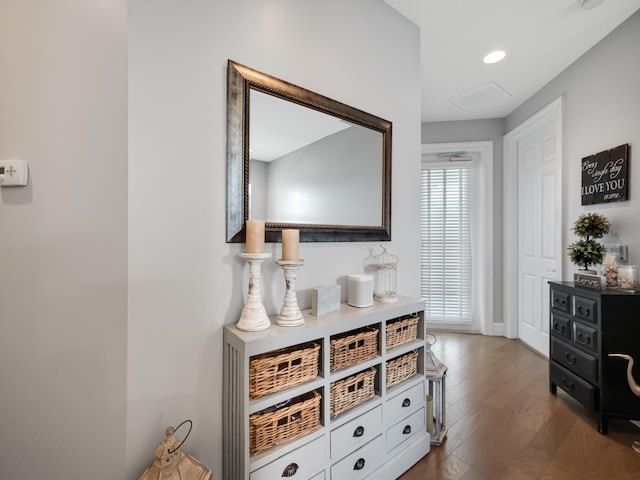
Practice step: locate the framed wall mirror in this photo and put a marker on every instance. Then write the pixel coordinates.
(297, 159)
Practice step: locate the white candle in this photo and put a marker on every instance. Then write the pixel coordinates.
(255, 236)
(625, 273)
(627, 277)
(290, 245)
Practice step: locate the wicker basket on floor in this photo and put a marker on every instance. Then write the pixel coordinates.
(274, 371)
(401, 331)
(353, 347)
(284, 422)
(401, 368)
(352, 391)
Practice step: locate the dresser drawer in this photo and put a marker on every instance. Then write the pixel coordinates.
(404, 403)
(585, 336)
(579, 389)
(560, 301)
(575, 360)
(356, 433)
(585, 308)
(560, 326)
(299, 464)
(361, 463)
(405, 429)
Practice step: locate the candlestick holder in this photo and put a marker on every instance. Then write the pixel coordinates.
(290, 314)
(254, 316)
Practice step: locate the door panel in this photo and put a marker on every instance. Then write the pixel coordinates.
(537, 245)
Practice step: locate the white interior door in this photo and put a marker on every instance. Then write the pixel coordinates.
(538, 214)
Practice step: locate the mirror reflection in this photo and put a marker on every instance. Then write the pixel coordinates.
(297, 159)
(311, 168)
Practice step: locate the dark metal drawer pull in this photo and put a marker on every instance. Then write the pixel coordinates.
(567, 383)
(585, 340)
(407, 430)
(358, 432)
(585, 313)
(570, 358)
(558, 327)
(359, 464)
(406, 403)
(290, 470)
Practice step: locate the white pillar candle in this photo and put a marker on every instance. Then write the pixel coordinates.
(255, 236)
(290, 245)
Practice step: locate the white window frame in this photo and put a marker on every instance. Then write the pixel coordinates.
(483, 270)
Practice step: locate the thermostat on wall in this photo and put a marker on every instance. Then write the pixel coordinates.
(14, 173)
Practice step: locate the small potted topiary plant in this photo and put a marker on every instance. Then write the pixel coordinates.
(587, 251)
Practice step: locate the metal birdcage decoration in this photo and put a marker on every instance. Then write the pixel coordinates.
(385, 270)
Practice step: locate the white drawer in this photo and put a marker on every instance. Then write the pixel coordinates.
(404, 403)
(361, 463)
(319, 476)
(356, 433)
(304, 461)
(405, 429)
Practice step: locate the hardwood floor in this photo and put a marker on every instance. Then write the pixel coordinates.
(503, 424)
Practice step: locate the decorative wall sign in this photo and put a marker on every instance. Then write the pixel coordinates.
(589, 280)
(605, 176)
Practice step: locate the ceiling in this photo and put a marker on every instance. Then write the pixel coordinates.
(541, 38)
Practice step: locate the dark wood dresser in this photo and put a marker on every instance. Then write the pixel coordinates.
(586, 326)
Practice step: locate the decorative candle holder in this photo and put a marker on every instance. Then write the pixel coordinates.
(436, 374)
(290, 314)
(254, 316)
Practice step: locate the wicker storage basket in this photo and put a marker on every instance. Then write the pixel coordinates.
(353, 347)
(401, 331)
(274, 371)
(352, 391)
(281, 423)
(401, 368)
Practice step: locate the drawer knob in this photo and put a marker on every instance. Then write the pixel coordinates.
(571, 359)
(567, 383)
(585, 312)
(584, 339)
(358, 432)
(290, 470)
(558, 327)
(406, 403)
(407, 430)
(359, 464)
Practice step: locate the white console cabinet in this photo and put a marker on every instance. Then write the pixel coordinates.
(378, 439)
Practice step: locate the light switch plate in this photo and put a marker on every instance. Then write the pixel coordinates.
(14, 173)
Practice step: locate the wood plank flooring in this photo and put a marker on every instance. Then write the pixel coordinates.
(503, 424)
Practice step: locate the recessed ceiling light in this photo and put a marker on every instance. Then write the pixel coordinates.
(589, 4)
(494, 56)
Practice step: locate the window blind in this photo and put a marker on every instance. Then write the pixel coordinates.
(446, 277)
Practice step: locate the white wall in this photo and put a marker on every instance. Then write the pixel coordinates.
(185, 282)
(602, 111)
(63, 239)
(329, 181)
